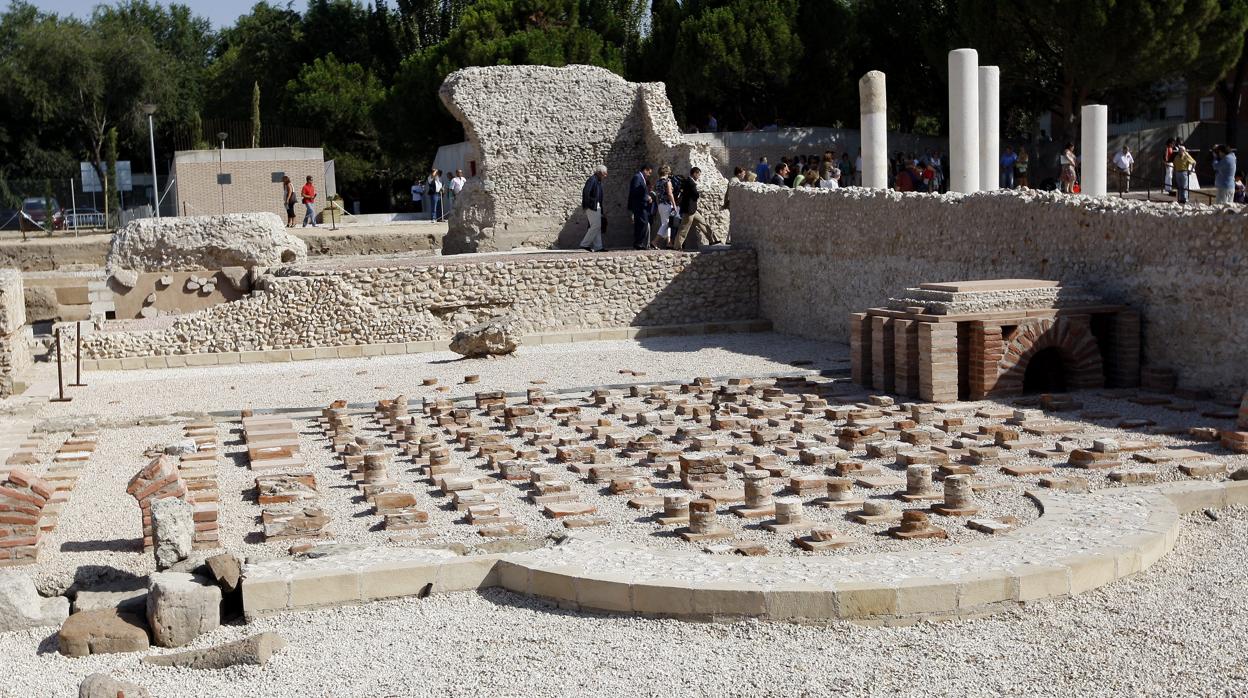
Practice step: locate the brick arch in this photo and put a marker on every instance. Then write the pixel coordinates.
(1074, 342)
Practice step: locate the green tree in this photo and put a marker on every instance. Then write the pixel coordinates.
(109, 179)
(265, 47)
(1077, 51)
(340, 100)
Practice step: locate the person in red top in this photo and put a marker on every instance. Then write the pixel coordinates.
(309, 197)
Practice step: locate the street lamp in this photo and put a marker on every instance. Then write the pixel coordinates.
(150, 109)
(221, 168)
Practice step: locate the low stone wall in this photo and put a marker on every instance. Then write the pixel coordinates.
(426, 299)
(15, 334)
(825, 254)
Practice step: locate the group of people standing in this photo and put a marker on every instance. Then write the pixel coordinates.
(436, 196)
(1181, 179)
(663, 208)
(826, 172)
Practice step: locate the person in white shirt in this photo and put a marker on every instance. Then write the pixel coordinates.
(418, 194)
(458, 181)
(1124, 162)
(830, 178)
(858, 169)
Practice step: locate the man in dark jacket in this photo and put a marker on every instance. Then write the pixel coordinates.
(690, 220)
(591, 201)
(782, 172)
(639, 200)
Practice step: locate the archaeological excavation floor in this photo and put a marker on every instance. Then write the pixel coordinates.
(1143, 634)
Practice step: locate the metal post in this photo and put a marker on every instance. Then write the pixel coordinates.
(73, 204)
(78, 356)
(60, 379)
(151, 140)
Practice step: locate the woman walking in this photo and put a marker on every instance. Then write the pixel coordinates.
(288, 200)
(1069, 163)
(664, 194)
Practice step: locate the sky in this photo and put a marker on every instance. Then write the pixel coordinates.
(221, 13)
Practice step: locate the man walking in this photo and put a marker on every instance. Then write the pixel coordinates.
(763, 171)
(639, 200)
(1224, 163)
(689, 214)
(782, 171)
(591, 201)
(1124, 162)
(308, 196)
(457, 185)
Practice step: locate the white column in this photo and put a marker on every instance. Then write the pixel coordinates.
(963, 120)
(989, 128)
(873, 109)
(1093, 149)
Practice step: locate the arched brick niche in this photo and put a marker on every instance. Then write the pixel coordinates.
(1069, 337)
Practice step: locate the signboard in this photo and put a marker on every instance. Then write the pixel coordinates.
(224, 178)
(91, 181)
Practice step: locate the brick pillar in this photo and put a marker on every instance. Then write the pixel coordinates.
(22, 499)
(987, 347)
(938, 361)
(158, 480)
(882, 348)
(860, 348)
(906, 357)
(1123, 353)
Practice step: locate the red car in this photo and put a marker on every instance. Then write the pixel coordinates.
(35, 209)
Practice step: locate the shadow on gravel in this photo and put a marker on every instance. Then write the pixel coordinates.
(116, 545)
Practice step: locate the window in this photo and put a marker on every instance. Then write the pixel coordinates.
(1206, 108)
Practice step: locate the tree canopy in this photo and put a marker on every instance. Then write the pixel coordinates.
(365, 74)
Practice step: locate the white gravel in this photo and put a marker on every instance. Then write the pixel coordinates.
(1179, 628)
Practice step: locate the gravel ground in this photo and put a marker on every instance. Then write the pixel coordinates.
(141, 393)
(1176, 629)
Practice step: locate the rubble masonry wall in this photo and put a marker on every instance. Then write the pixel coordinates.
(328, 307)
(15, 334)
(825, 254)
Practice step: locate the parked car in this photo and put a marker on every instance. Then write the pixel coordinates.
(34, 207)
(84, 218)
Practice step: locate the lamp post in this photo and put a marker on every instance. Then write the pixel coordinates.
(221, 168)
(150, 109)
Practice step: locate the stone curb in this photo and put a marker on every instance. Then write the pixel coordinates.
(354, 351)
(1080, 543)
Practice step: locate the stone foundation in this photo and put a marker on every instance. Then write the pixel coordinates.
(421, 299)
(825, 254)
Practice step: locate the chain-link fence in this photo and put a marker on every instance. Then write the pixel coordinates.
(62, 205)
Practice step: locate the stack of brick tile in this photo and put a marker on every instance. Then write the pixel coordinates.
(1237, 441)
(23, 497)
(199, 472)
(272, 443)
(157, 480)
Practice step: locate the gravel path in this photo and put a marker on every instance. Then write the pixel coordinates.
(1176, 629)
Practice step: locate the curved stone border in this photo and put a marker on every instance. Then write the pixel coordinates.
(1081, 542)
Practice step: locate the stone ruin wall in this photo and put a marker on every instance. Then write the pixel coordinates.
(310, 307)
(825, 254)
(540, 133)
(15, 334)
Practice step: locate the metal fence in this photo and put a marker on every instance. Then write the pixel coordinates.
(79, 210)
(238, 135)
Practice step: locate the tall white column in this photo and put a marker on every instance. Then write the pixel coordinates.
(989, 128)
(963, 120)
(1093, 149)
(873, 109)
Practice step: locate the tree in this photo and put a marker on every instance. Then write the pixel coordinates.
(1073, 51)
(265, 47)
(1223, 61)
(255, 115)
(340, 100)
(109, 178)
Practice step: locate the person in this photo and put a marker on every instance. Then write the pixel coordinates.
(831, 177)
(1124, 162)
(433, 187)
(857, 171)
(418, 195)
(847, 168)
(763, 171)
(309, 198)
(639, 202)
(288, 200)
(1240, 192)
(712, 124)
(1021, 166)
(782, 171)
(739, 174)
(1224, 165)
(799, 178)
(1008, 158)
(690, 220)
(591, 201)
(1183, 164)
(457, 185)
(1168, 182)
(665, 193)
(1068, 163)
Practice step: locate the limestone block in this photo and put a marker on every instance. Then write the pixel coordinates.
(174, 530)
(255, 650)
(181, 607)
(22, 607)
(188, 243)
(102, 632)
(105, 686)
(493, 337)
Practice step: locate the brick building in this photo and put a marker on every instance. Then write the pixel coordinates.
(252, 179)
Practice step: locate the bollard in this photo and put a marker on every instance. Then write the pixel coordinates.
(60, 379)
(78, 356)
